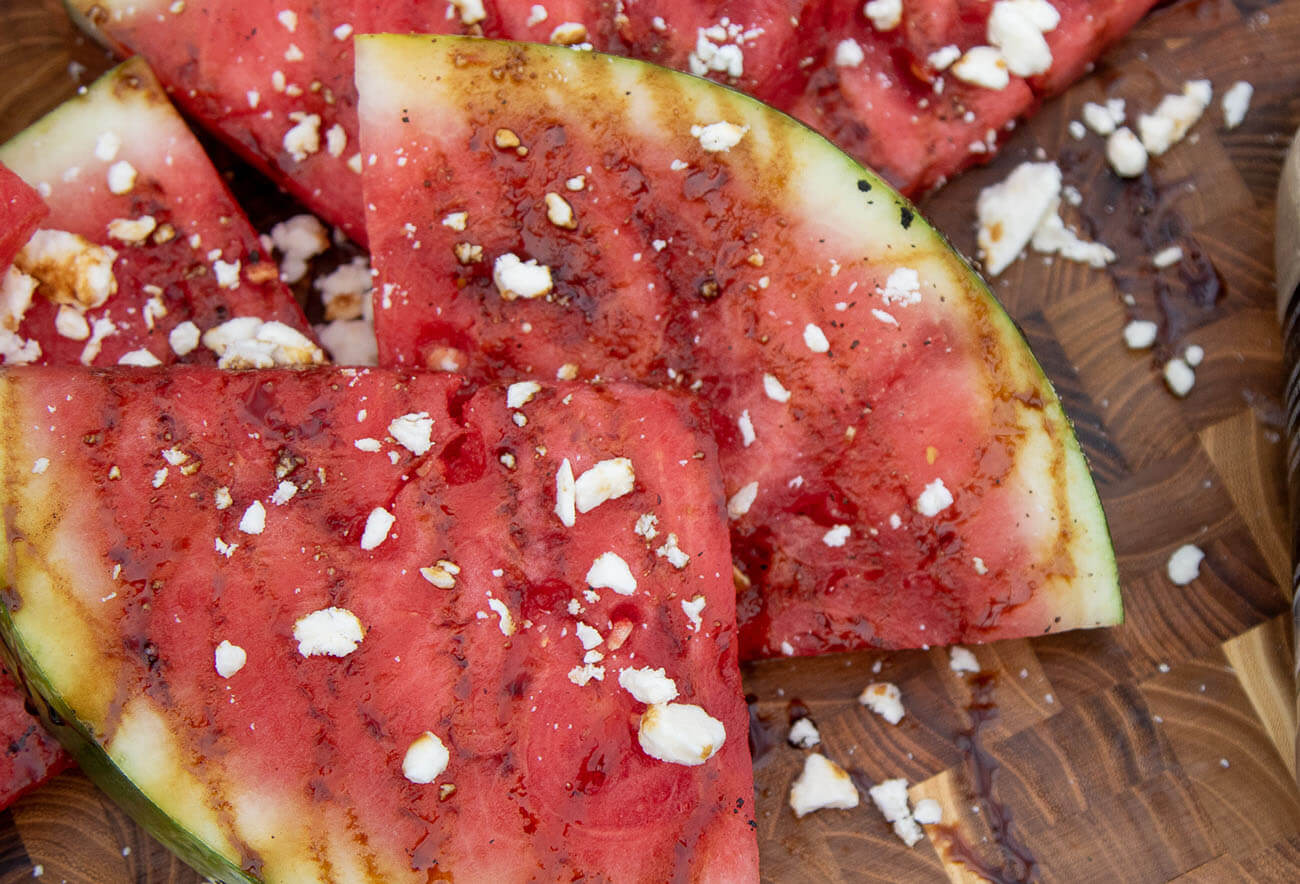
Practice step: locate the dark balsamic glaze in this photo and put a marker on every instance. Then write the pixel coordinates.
(1017, 865)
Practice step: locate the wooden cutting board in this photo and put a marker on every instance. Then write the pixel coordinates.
(1158, 751)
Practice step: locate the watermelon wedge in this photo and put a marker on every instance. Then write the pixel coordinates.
(21, 210)
(899, 472)
(356, 625)
(144, 251)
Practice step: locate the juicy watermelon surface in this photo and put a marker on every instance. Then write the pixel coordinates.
(759, 278)
(170, 276)
(122, 584)
(21, 210)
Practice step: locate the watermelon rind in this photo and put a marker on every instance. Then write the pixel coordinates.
(795, 170)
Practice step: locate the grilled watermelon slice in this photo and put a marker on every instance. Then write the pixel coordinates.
(388, 557)
(21, 210)
(157, 242)
(899, 471)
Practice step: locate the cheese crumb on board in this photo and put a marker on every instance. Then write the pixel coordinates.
(885, 699)
(1125, 153)
(822, 785)
(1235, 102)
(1140, 334)
(1184, 564)
(804, 734)
(962, 660)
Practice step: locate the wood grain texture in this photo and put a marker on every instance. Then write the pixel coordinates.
(1157, 751)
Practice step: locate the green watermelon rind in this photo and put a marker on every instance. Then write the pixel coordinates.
(95, 762)
(1099, 600)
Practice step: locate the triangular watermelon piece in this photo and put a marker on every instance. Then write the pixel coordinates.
(21, 210)
(899, 471)
(340, 624)
(144, 251)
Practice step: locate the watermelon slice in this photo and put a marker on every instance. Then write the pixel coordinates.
(21, 210)
(336, 624)
(145, 249)
(899, 471)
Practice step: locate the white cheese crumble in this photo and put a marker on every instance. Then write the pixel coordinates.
(1167, 257)
(903, 287)
(609, 571)
(226, 549)
(837, 535)
(607, 480)
(248, 342)
(1235, 102)
(332, 631)
(1104, 118)
(693, 609)
(303, 138)
(942, 58)
(740, 502)
(588, 636)
(16, 290)
(849, 54)
(70, 269)
(471, 11)
(822, 785)
(1053, 237)
(804, 734)
(1184, 564)
(884, 14)
(559, 212)
(107, 145)
(1179, 377)
(890, 798)
(284, 492)
(288, 18)
(815, 339)
(227, 273)
(221, 498)
(140, 358)
(254, 518)
(934, 499)
(132, 231)
(1174, 117)
(505, 621)
(774, 390)
(962, 660)
(928, 812)
(746, 425)
(566, 496)
(648, 685)
(442, 574)
(982, 66)
(520, 279)
(719, 137)
(121, 177)
(414, 432)
(40, 466)
(1014, 29)
(536, 15)
(1140, 334)
(1193, 355)
(378, 524)
(336, 140)
(885, 699)
(1125, 153)
(521, 393)
(675, 555)
(581, 675)
(680, 733)
(229, 659)
(425, 759)
(456, 220)
(1009, 212)
(298, 239)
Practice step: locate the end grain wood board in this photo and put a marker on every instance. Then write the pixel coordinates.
(1162, 750)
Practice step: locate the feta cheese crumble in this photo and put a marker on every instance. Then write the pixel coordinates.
(1184, 564)
(1235, 102)
(1179, 377)
(425, 759)
(804, 734)
(962, 660)
(414, 432)
(680, 733)
(774, 390)
(849, 54)
(837, 535)
(1140, 334)
(822, 785)
(890, 798)
(884, 14)
(378, 524)
(607, 480)
(693, 609)
(229, 659)
(885, 699)
(719, 137)
(1016, 28)
(254, 518)
(332, 631)
(1011, 211)
(740, 502)
(815, 339)
(520, 279)
(610, 571)
(982, 66)
(121, 177)
(1125, 153)
(248, 342)
(934, 499)
(648, 685)
(566, 497)
(521, 393)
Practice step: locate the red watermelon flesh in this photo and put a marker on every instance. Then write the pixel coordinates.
(21, 210)
(113, 163)
(760, 278)
(29, 756)
(122, 586)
